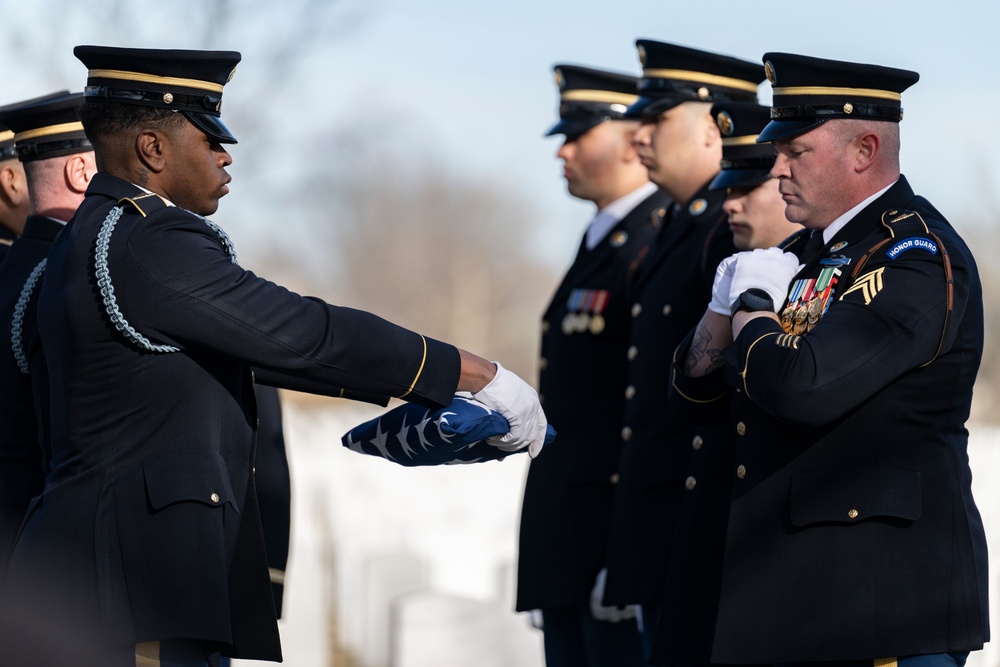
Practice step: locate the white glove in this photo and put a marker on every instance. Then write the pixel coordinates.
(516, 402)
(609, 614)
(721, 303)
(769, 269)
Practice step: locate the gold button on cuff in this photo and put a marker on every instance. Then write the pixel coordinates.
(614, 478)
(852, 514)
(633, 352)
(697, 442)
(630, 392)
(215, 497)
(637, 310)
(690, 483)
(741, 471)
(741, 428)
(667, 309)
(626, 434)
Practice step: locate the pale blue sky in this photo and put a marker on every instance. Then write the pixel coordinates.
(467, 86)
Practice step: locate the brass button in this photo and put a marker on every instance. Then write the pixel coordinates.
(853, 514)
(543, 363)
(626, 433)
(690, 483)
(215, 497)
(633, 352)
(741, 471)
(667, 309)
(697, 442)
(545, 326)
(636, 310)
(741, 428)
(614, 478)
(630, 392)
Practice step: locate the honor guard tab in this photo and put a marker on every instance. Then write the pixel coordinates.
(810, 91)
(673, 74)
(46, 127)
(180, 80)
(588, 97)
(745, 163)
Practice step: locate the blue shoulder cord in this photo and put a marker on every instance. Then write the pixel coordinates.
(17, 321)
(108, 289)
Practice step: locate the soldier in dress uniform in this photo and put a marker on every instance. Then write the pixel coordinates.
(679, 143)
(853, 534)
(567, 500)
(756, 215)
(145, 545)
(14, 204)
(58, 161)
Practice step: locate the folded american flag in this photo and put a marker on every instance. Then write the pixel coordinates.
(412, 435)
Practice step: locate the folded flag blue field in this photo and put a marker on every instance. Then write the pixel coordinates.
(412, 435)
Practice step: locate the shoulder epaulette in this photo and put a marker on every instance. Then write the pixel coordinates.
(145, 203)
(795, 236)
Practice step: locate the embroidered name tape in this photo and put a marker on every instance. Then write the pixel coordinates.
(911, 243)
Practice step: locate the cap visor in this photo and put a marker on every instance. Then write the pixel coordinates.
(652, 106)
(574, 127)
(786, 129)
(739, 178)
(212, 126)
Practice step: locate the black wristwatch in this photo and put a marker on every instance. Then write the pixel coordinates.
(752, 301)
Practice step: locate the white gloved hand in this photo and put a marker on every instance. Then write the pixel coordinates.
(518, 403)
(769, 269)
(609, 614)
(721, 302)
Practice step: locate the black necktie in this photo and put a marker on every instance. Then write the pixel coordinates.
(812, 248)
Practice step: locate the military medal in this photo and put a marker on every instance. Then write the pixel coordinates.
(808, 301)
(586, 308)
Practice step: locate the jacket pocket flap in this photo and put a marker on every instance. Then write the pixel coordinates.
(852, 495)
(198, 475)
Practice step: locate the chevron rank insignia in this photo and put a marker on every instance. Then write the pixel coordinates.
(869, 285)
(412, 435)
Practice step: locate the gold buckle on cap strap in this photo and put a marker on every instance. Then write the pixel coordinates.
(824, 90)
(152, 78)
(608, 96)
(700, 77)
(61, 128)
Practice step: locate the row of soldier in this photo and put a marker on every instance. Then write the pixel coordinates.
(806, 497)
(765, 473)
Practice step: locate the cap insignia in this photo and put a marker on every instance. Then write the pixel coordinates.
(725, 123)
(697, 207)
(642, 55)
(769, 71)
(618, 239)
(703, 93)
(168, 98)
(848, 108)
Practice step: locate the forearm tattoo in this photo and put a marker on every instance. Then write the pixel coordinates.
(701, 348)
